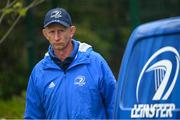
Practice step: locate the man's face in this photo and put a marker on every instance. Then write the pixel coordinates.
(59, 36)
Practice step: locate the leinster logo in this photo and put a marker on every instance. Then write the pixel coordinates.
(162, 71)
(56, 14)
(80, 80)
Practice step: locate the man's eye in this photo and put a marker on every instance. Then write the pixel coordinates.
(51, 32)
(62, 30)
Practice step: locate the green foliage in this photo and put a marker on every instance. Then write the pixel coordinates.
(13, 67)
(11, 84)
(13, 108)
(22, 11)
(7, 11)
(17, 5)
(86, 35)
(16, 8)
(125, 33)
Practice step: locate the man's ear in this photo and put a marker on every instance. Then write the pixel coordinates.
(44, 31)
(73, 30)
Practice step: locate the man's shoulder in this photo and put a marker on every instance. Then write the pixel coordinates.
(86, 50)
(96, 55)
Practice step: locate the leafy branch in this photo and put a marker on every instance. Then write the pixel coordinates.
(15, 7)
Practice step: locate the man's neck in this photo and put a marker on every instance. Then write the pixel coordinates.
(63, 54)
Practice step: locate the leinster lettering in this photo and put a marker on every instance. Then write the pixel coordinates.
(153, 110)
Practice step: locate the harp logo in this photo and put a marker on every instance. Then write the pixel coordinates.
(162, 72)
(80, 80)
(163, 76)
(56, 14)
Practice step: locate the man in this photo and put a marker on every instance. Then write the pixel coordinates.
(71, 81)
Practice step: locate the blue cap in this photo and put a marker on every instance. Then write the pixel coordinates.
(57, 15)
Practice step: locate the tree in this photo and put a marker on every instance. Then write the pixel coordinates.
(18, 9)
(13, 54)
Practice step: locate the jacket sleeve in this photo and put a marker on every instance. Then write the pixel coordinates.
(34, 109)
(107, 88)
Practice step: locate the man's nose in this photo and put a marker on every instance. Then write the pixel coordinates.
(56, 36)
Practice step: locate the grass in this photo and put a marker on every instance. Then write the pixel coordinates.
(12, 109)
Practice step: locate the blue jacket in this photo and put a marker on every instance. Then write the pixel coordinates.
(84, 90)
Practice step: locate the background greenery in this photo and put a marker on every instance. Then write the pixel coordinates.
(105, 24)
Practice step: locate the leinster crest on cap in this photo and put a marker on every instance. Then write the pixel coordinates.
(56, 14)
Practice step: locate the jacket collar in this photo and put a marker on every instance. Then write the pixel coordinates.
(66, 63)
(72, 54)
(82, 57)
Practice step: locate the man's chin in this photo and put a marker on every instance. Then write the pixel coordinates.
(59, 48)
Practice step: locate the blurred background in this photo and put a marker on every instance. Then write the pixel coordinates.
(105, 24)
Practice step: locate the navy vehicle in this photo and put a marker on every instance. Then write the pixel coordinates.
(149, 77)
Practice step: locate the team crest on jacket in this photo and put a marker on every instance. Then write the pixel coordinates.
(80, 80)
